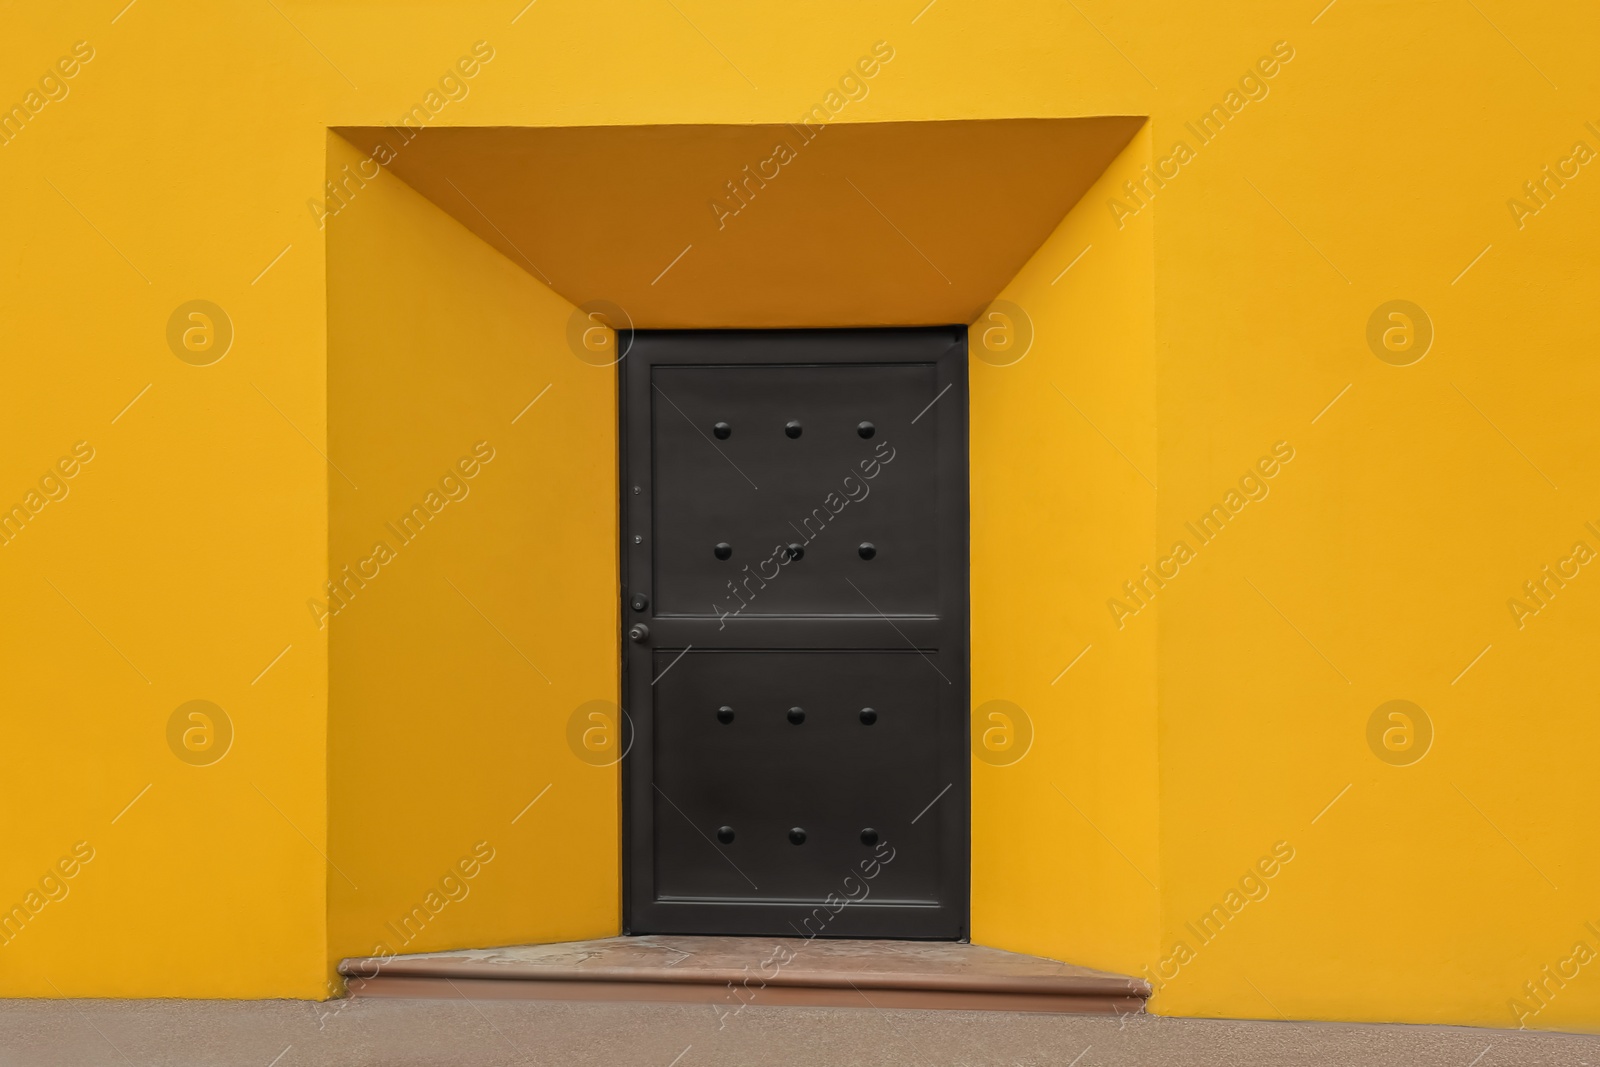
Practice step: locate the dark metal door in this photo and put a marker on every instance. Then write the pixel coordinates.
(794, 558)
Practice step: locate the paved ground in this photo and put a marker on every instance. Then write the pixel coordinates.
(160, 1033)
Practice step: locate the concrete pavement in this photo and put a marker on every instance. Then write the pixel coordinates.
(168, 1033)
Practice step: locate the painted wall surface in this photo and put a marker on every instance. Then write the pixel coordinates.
(747, 225)
(1065, 788)
(1390, 157)
(472, 553)
(156, 165)
(1442, 854)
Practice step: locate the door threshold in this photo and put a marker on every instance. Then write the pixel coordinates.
(736, 972)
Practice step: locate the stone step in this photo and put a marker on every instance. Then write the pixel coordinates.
(734, 972)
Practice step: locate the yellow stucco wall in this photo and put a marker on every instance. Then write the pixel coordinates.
(1380, 162)
(1379, 565)
(472, 552)
(1063, 380)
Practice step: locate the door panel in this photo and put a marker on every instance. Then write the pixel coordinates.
(758, 772)
(795, 591)
(801, 495)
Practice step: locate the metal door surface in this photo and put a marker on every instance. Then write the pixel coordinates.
(794, 565)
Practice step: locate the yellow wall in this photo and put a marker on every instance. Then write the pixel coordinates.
(464, 634)
(1381, 563)
(177, 566)
(643, 216)
(1065, 851)
(1379, 167)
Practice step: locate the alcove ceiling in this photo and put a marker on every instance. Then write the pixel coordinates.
(854, 224)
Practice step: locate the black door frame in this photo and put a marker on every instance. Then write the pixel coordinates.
(643, 351)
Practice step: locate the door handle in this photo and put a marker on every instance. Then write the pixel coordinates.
(639, 632)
